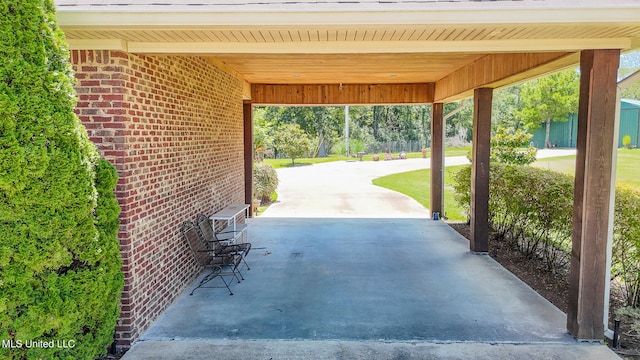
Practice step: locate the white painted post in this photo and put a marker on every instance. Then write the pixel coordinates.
(612, 210)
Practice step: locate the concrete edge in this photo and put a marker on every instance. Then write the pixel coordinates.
(336, 349)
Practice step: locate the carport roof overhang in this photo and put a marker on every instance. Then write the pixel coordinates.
(311, 52)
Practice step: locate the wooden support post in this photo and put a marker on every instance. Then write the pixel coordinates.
(480, 170)
(248, 154)
(596, 126)
(437, 159)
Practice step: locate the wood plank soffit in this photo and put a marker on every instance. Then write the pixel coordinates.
(341, 94)
(497, 70)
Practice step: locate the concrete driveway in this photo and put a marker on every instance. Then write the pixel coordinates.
(361, 283)
(343, 189)
(332, 288)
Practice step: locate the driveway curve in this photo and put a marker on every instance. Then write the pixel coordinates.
(343, 189)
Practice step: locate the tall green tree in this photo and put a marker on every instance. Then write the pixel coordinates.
(388, 123)
(326, 122)
(458, 117)
(292, 141)
(322, 123)
(550, 98)
(633, 91)
(630, 63)
(60, 276)
(262, 134)
(505, 106)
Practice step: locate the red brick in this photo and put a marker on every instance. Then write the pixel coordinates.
(168, 152)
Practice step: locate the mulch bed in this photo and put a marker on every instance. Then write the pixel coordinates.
(552, 286)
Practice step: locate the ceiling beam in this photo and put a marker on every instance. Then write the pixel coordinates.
(497, 70)
(341, 94)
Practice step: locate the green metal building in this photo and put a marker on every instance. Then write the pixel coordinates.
(563, 133)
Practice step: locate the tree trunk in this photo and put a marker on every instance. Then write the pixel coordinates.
(376, 122)
(547, 144)
(316, 149)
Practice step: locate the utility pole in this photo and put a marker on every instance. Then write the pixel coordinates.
(346, 129)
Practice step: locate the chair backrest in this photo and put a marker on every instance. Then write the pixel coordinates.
(200, 252)
(207, 232)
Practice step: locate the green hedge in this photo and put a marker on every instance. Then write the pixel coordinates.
(626, 242)
(60, 276)
(531, 210)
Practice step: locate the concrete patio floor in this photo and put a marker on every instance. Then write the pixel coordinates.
(326, 288)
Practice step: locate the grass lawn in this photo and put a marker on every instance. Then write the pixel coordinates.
(627, 170)
(282, 163)
(417, 185)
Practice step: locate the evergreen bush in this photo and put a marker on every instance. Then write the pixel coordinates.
(60, 278)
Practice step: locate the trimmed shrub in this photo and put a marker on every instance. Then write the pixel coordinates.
(265, 182)
(626, 242)
(60, 276)
(462, 188)
(531, 209)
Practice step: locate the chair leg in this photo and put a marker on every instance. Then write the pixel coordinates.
(235, 266)
(237, 270)
(212, 275)
(226, 284)
(245, 262)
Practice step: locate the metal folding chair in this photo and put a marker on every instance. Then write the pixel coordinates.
(218, 242)
(207, 258)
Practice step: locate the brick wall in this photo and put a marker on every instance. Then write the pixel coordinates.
(172, 126)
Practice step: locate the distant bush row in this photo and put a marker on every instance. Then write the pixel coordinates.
(531, 210)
